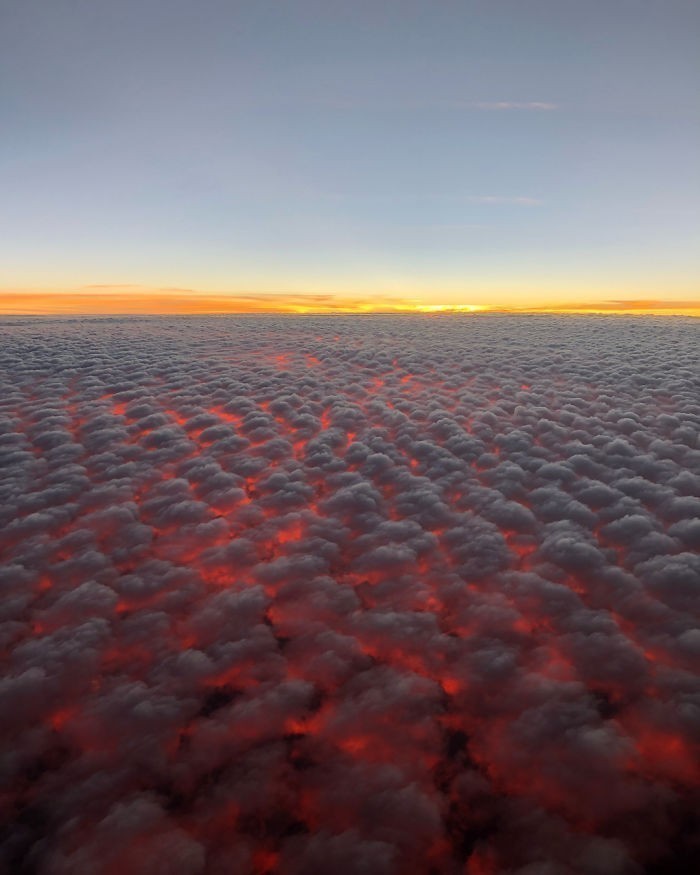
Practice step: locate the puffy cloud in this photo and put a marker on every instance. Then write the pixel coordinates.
(366, 595)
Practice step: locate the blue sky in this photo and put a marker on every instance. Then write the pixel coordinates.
(491, 151)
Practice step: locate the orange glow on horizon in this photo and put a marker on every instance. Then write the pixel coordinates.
(184, 302)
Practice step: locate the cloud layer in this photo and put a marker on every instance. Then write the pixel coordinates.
(354, 595)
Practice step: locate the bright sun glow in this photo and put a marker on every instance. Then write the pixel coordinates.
(450, 308)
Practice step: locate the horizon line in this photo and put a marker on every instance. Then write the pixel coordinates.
(187, 302)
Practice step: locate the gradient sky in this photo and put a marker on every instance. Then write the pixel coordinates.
(498, 152)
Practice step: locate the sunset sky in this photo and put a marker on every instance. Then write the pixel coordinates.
(173, 155)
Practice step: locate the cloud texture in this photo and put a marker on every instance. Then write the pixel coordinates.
(369, 596)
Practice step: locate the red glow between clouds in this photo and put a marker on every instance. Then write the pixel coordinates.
(294, 606)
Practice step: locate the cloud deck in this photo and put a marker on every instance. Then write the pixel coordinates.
(371, 595)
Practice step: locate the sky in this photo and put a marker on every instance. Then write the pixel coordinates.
(314, 154)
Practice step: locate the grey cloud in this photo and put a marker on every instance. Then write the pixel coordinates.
(377, 595)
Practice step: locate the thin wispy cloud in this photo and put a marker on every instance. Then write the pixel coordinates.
(409, 103)
(454, 226)
(536, 105)
(504, 199)
(436, 196)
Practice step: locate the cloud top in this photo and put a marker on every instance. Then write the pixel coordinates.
(383, 595)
